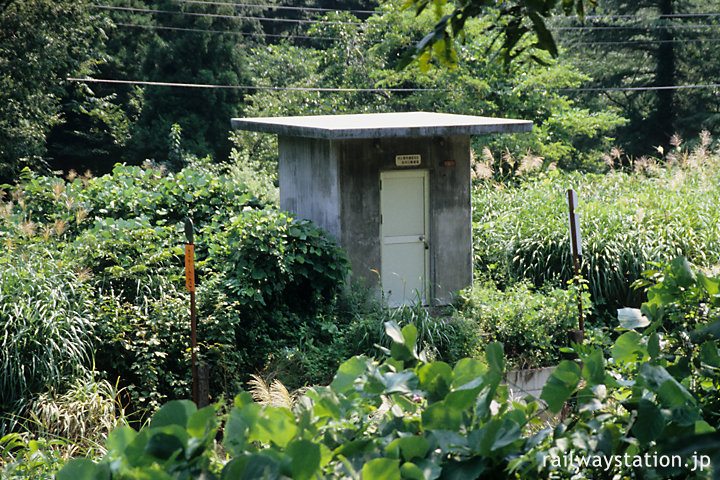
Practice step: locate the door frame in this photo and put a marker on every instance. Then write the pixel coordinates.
(425, 174)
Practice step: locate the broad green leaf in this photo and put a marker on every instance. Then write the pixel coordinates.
(381, 469)
(628, 348)
(701, 426)
(261, 466)
(392, 329)
(354, 447)
(561, 385)
(175, 412)
(711, 285)
(670, 392)
(632, 318)
(495, 357)
(410, 471)
(654, 345)
(119, 439)
(649, 423)
(682, 272)
(409, 333)
(164, 445)
(305, 459)
(593, 370)
(237, 428)
(348, 372)
(439, 416)
(401, 352)
(472, 468)
(403, 382)
(463, 399)
(709, 353)
(467, 370)
(77, 469)
(276, 425)
(407, 447)
(202, 422)
(590, 398)
(435, 378)
(496, 434)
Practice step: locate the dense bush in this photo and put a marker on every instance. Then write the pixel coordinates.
(532, 325)
(626, 220)
(47, 330)
(407, 417)
(263, 277)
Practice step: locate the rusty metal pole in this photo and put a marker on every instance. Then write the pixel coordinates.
(190, 285)
(575, 247)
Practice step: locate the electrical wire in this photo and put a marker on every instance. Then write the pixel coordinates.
(635, 42)
(638, 17)
(332, 89)
(632, 27)
(217, 15)
(276, 7)
(635, 89)
(252, 87)
(199, 30)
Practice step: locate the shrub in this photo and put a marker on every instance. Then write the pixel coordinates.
(262, 276)
(407, 417)
(532, 326)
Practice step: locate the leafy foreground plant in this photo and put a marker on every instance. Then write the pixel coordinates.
(654, 399)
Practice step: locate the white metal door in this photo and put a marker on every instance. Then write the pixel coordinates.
(403, 233)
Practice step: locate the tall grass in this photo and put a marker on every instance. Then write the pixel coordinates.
(627, 221)
(46, 331)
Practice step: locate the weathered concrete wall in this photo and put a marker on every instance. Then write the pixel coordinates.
(450, 217)
(336, 184)
(308, 177)
(360, 164)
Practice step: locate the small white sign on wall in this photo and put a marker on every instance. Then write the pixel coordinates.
(407, 160)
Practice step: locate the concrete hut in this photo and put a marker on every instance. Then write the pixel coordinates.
(393, 188)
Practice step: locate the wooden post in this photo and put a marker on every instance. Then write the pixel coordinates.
(203, 387)
(576, 247)
(190, 286)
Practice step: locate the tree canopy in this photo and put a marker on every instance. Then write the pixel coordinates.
(515, 20)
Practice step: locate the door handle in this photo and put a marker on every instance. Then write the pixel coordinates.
(422, 239)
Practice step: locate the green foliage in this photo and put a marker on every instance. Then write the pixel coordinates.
(22, 458)
(363, 58)
(41, 43)
(174, 54)
(406, 417)
(263, 277)
(47, 339)
(640, 45)
(532, 325)
(515, 20)
(522, 232)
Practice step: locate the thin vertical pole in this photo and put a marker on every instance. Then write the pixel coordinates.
(190, 285)
(575, 242)
(193, 340)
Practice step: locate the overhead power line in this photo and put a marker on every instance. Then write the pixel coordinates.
(333, 89)
(227, 32)
(635, 89)
(217, 15)
(276, 7)
(635, 42)
(640, 17)
(634, 27)
(252, 87)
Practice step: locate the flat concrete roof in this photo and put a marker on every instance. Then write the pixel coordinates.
(381, 125)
